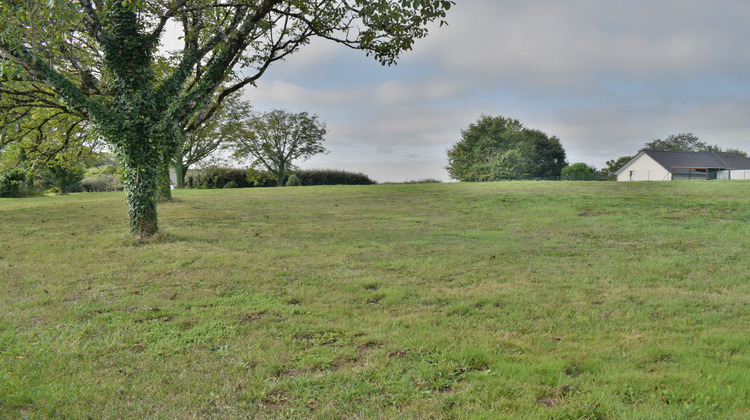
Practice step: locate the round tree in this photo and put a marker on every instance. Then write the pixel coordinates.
(499, 148)
(277, 138)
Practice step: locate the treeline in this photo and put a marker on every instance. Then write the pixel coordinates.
(101, 178)
(220, 177)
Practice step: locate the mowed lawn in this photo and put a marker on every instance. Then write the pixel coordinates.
(515, 299)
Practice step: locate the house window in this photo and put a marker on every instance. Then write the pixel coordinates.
(692, 174)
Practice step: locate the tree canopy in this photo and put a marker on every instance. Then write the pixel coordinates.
(683, 142)
(97, 59)
(499, 148)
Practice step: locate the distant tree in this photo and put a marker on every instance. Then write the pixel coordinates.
(499, 148)
(684, 142)
(578, 172)
(687, 142)
(277, 138)
(614, 165)
(737, 151)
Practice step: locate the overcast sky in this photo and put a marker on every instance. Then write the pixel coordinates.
(605, 76)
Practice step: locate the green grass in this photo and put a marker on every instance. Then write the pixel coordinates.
(516, 299)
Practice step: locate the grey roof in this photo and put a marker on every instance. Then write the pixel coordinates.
(710, 160)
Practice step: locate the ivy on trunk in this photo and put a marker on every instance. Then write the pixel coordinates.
(96, 59)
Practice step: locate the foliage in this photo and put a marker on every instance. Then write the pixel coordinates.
(423, 181)
(737, 151)
(499, 148)
(293, 181)
(549, 155)
(64, 178)
(578, 172)
(613, 166)
(687, 142)
(218, 177)
(533, 300)
(11, 182)
(114, 170)
(230, 184)
(332, 177)
(259, 178)
(96, 61)
(277, 138)
(101, 183)
(210, 131)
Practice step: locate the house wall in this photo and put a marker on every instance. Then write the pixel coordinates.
(735, 174)
(643, 168)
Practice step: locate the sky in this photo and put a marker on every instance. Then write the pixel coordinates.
(604, 76)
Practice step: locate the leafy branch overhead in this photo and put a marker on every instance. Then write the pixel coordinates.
(97, 59)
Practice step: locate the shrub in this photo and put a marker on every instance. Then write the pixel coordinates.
(101, 183)
(10, 183)
(293, 181)
(424, 181)
(260, 178)
(104, 170)
(216, 177)
(578, 172)
(64, 179)
(332, 177)
(230, 184)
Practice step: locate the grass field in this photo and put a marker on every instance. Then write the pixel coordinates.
(517, 299)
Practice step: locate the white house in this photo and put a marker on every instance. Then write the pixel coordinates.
(650, 165)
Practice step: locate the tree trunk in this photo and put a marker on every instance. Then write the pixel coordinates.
(180, 170)
(164, 192)
(140, 188)
(280, 176)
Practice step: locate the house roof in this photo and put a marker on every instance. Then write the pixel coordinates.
(710, 160)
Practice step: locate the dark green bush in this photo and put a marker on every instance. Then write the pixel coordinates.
(63, 179)
(332, 177)
(10, 183)
(216, 177)
(230, 184)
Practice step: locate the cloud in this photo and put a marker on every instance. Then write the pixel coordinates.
(281, 92)
(604, 76)
(564, 46)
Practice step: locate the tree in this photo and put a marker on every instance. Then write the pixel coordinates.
(499, 148)
(97, 58)
(736, 151)
(276, 138)
(578, 172)
(684, 142)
